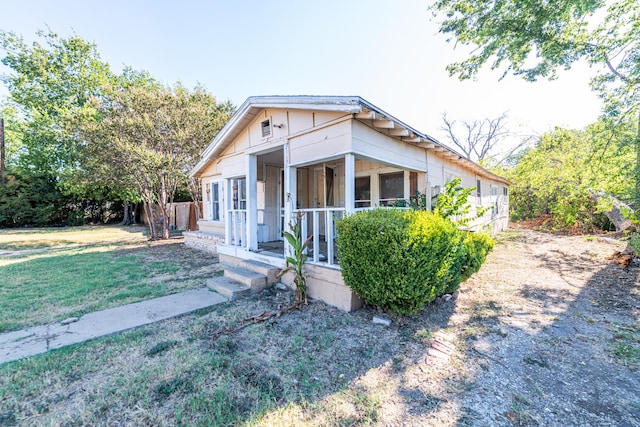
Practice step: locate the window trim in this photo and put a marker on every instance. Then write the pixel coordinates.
(216, 198)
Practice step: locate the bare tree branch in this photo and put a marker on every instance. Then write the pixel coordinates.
(480, 136)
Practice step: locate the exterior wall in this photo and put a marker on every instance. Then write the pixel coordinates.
(326, 284)
(442, 171)
(383, 149)
(327, 142)
(202, 241)
(268, 215)
(311, 135)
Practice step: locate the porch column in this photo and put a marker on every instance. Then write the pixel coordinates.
(290, 192)
(252, 202)
(349, 183)
(226, 205)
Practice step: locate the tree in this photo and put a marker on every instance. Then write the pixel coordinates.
(534, 39)
(152, 136)
(557, 179)
(478, 138)
(51, 82)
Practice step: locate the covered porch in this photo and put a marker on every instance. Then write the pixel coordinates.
(275, 193)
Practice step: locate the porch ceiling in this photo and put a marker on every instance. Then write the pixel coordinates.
(275, 158)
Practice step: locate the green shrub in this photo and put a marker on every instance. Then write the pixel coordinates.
(404, 260)
(477, 247)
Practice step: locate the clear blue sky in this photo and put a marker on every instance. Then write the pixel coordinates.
(388, 52)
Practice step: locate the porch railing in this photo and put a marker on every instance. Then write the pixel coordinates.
(320, 224)
(236, 227)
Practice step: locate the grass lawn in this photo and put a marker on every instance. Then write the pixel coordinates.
(13, 239)
(316, 366)
(111, 267)
(319, 366)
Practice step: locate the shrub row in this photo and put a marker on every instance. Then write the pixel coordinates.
(403, 260)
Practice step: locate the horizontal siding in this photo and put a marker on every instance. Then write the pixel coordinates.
(390, 151)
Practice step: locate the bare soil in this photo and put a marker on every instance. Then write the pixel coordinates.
(560, 337)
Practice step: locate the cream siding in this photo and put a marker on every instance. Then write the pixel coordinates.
(372, 144)
(325, 143)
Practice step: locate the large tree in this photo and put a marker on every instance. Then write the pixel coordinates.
(152, 136)
(534, 39)
(51, 80)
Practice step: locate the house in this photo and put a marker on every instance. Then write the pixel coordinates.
(324, 157)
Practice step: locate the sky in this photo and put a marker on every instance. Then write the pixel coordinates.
(388, 52)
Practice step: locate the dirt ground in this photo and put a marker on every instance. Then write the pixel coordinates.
(561, 334)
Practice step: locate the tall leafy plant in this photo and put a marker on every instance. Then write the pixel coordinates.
(297, 258)
(453, 203)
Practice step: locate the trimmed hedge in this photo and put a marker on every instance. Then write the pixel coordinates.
(403, 260)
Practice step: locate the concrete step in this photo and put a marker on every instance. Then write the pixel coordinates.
(253, 280)
(228, 288)
(268, 270)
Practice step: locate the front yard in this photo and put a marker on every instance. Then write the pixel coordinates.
(545, 334)
(47, 275)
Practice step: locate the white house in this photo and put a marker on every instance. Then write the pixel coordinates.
(324, 157)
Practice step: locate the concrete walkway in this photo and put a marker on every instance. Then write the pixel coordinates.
(40, 339)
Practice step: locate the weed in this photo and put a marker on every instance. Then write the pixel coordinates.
(173, 385)
(522, 399)
(627, 344)
(423, 336)
(626, 353)
(160, 347)
(221, 406)
(8, 418)
(536, 362)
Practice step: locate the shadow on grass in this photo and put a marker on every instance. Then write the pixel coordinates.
(50, 286)
(319, 366)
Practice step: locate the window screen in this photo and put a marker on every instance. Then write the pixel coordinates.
(391, 188)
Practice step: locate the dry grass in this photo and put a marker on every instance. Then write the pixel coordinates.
(47, 285)
(505, 353)
(15, 239)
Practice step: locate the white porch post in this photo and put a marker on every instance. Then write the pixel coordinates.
(252, 202)
(228, 217)
(407, 185)
(349, 183)
(290, 192)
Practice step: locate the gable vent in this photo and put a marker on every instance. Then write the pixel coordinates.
(266, 128)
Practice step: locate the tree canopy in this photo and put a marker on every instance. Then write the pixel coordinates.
(535, 39)
(152, 137)
(89, 134)
(556, 180)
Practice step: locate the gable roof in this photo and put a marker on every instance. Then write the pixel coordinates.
(361, 109)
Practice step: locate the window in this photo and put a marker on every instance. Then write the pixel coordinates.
(215, 201)
(494, 200)
(239, 191)
(391, 188)
(266, 128)
(363, 192)
(505, 191)
(478, 188)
